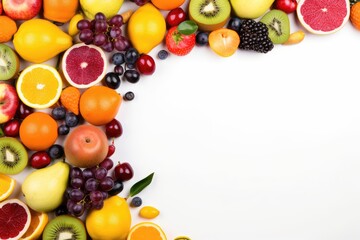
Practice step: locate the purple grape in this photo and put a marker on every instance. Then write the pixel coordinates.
(83, 24)
(119, 70)
(96, 196)
(91, 184)
(76, 195)
(115, 32)
(105, 195)
(97, 205)
(120, 44)
(100, 26)
(99, 39)
(116, 20)
(107, 163)
(76, 172)
(86, 36)
(106, 184)
(100, 16)
(78, 209)
(77, 182)
(141, 2)
(87, 173)
(69, 205)
(108, 46)
(100, 173)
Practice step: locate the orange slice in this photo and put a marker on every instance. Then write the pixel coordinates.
(39, 86)
(146, 230)
(7, 186)
(37, 225)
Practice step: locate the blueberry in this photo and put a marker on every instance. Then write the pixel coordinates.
(118, 58)
(234, 24)
(56, 151)
(202, 38)
(63, 129)
(136, 202)
(71, 120)
(163, 54)
(129, 96)
(131, 55)
(58, 113)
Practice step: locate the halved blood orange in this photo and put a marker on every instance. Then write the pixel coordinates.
(15, 219)
(84, 65)
(323, 16)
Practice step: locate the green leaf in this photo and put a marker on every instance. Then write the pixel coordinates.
(140, 185)
(187, 27)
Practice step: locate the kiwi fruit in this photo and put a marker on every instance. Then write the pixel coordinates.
(9, 63)
(64, 227)
(278, 24)
(209, 14)
(13, 156)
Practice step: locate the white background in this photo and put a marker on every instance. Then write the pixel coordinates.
(254, 146)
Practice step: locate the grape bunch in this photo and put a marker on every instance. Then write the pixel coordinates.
(88, 188)
(103, 32)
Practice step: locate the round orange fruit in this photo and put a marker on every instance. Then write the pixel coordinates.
(355, 15)
(167, 4)
(38, 131)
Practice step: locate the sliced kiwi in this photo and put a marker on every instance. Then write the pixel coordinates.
(9, 63)
(278, 23)
(13, 156)
(209, 14)
(64, 227)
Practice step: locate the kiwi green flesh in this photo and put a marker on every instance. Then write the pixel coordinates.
(209, 14)
(64, 227)
(13, 156)
(9, 63)
(278, 24)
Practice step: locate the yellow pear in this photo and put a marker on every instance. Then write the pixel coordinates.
(44, 188)
(38, 40)
(250, 9)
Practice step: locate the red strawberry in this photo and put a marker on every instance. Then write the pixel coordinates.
(178, 43)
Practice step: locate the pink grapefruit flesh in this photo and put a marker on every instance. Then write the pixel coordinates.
(14, 219)
(323, 16)
(84, 65)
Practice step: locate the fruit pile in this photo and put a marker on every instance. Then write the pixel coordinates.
(60, 123)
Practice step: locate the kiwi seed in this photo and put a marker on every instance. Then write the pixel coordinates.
(278, 23)
(64, 227)
(13, 156)
(9, 63)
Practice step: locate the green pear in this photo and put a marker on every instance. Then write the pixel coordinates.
(250, 9)
(44, 188)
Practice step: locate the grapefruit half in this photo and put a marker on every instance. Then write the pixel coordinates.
(84, 65)
(15, 218)
(323, 16)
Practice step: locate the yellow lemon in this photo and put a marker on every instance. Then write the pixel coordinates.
(108, 7)
(146, 28)
(112, 222)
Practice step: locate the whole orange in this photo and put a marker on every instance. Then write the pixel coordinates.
(355, 15)
(8, 28)
(167, 4)
(99, 104)
(60, 11)
(38, 131)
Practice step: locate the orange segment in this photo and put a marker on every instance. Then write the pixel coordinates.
(37, 225)
(146, 230)
(7, 186)
(39, 86)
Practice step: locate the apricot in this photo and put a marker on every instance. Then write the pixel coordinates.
(224, 42)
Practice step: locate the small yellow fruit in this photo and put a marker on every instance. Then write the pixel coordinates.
(72, 28)
(108, 7)
(295, 37)
(146, 28)
(149, 212)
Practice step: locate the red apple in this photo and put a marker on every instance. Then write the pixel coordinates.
(287, 6)
(22, 9)
(85, 146)
(9, 102)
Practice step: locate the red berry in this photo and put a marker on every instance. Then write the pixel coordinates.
(175, 17)
(145, 64)
(40, 159)
(11, 128)
(123, 171)
(113, 129)
(111, 150)
(24, 110)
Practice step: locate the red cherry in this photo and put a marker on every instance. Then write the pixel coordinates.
(111, 150)
(40, 159)
(175, 17)
(24, 110)
(11, 127)
(287, 6)
(145, 64)
(113, 129)
(123, 171)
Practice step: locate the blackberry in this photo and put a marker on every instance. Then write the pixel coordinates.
(254, 36)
